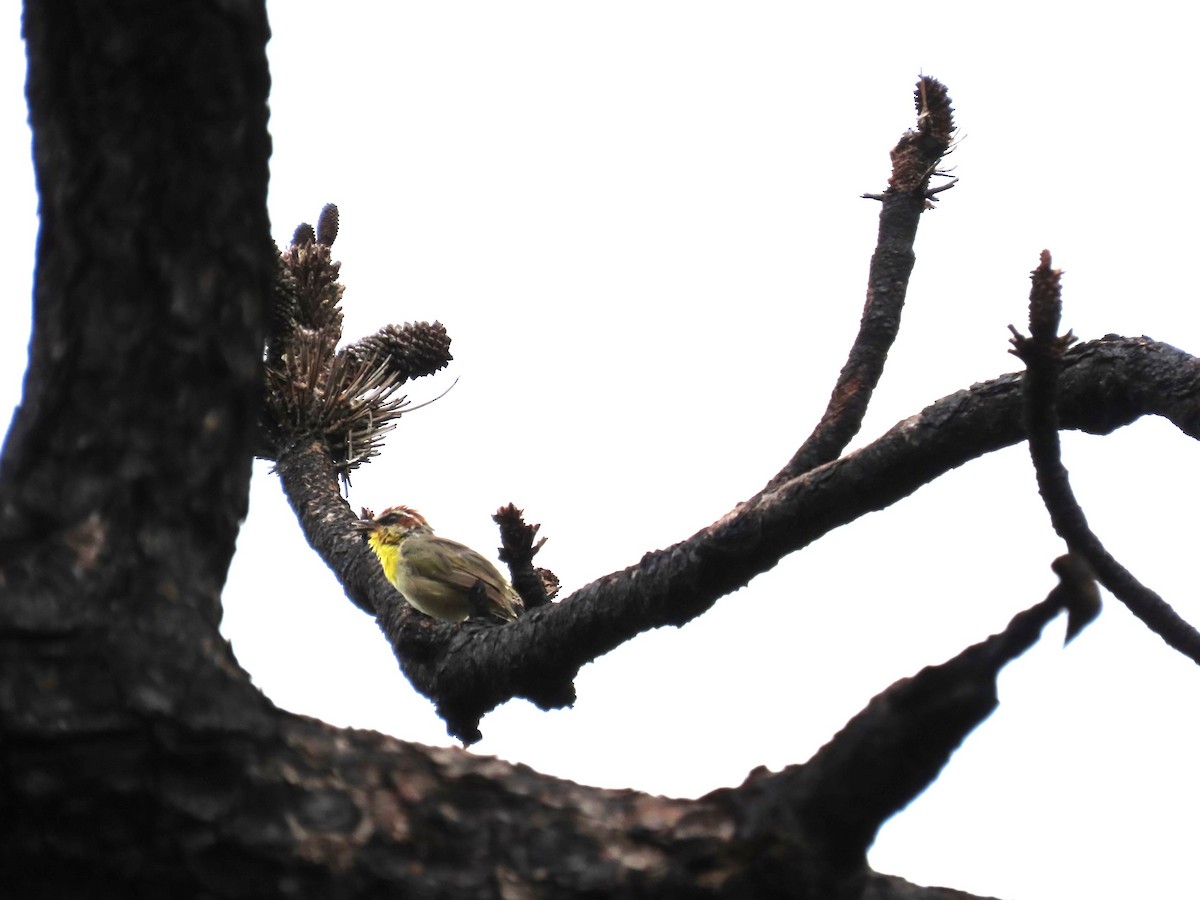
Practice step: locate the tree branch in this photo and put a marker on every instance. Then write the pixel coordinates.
(881, 760)
(367, 814)
(1042, 354)
(469, 671)
(914, 160)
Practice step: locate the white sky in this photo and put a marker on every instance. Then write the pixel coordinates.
(640, 223)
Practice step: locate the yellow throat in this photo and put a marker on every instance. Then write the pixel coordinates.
(388, 552)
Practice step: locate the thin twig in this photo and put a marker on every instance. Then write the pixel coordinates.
(914, 161)
(1042, 354)
(517, 551)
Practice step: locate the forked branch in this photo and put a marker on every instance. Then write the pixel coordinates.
(468, 670)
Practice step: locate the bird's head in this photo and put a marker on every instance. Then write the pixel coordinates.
(393, 525)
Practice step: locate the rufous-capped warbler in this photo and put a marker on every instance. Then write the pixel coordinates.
(435, 574)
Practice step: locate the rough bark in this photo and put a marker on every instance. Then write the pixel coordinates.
(136, 759)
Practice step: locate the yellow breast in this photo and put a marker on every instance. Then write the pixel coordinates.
(389, 556)
(431, 595)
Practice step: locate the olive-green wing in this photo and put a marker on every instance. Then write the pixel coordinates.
(462, 566)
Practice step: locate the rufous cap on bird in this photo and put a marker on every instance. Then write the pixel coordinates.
(435, 574)
(397, 520)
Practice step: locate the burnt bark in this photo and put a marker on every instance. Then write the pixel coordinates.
(136, 759)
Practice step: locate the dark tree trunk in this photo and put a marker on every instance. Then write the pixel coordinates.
(125, 474)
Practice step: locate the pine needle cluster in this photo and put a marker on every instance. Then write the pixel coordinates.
(348, 398)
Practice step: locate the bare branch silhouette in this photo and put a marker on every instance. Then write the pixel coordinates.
(537, 657)
(1042, 353)
(914, 161)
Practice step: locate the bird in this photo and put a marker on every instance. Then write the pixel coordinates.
(435, 574)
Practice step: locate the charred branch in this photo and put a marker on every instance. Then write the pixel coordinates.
(1042, 352)
(914, 160)
(1105, 384)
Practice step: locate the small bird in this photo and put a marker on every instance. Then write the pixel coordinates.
(435, 574)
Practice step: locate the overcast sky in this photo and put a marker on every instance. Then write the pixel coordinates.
(641, 224)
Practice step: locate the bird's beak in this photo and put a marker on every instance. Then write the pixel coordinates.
(364, 527)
